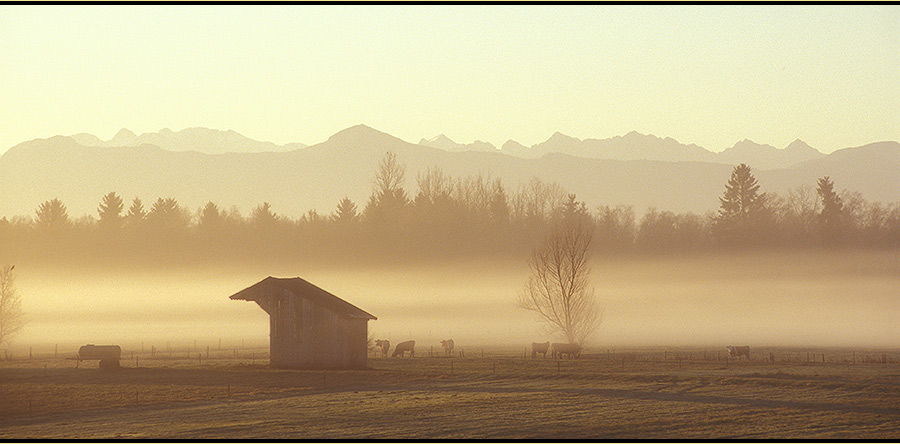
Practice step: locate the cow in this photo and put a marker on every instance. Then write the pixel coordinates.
(448, 346)
(559, 349)
(737, 352)
(539, 347)
(384, 345)
(408, 346)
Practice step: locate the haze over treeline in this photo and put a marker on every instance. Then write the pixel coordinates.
(442, 217)
(189, 165)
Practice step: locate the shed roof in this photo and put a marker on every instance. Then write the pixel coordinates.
(301, 288)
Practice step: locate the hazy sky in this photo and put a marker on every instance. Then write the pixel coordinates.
(710, 75)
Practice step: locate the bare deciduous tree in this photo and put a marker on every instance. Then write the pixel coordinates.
(558, 288)
(11, 317)
(390, 177)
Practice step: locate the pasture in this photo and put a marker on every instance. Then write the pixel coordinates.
(491, 392)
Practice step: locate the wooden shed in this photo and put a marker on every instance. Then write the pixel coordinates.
(308, 326)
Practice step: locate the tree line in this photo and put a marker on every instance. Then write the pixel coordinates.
(446, 217)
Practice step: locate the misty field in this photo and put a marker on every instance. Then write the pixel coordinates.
(485, 393)
(196, 364)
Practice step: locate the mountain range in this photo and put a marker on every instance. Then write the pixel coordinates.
(203, 140)
(636, 146)
(198, 165)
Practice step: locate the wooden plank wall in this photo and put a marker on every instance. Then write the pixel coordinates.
(303, 334)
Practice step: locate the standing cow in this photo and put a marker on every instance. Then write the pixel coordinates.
(408, 346)
(539, 347)
(560, 350)
(384, 345)
(737, 352)
(448, 346)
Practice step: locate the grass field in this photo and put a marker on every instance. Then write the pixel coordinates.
(487, 393)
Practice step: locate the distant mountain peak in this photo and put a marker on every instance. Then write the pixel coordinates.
(442, 142)
(799, 145)
(441, 138)
(439, 141)
(748, 144)
(513, 147)
(125, 137)
(560, 137)
(125, 132)
(356, 130)
(85, 139)
(361, 134)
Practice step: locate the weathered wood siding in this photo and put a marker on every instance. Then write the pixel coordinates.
(303, 334)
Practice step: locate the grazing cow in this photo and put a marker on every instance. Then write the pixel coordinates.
(448, 346)
(539, 347)
(384, 345)
(408, 346)
(560, 349)
(737, 352)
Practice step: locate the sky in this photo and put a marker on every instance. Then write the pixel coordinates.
(708, 75)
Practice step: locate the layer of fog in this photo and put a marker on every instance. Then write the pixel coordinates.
(790, 299)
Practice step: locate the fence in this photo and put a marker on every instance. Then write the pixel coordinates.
(202, 352)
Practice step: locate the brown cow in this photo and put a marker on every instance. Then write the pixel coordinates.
(384, 345)
(448, 346)
(408, 346)
(737, 352)
(539, 347)
(559, 349)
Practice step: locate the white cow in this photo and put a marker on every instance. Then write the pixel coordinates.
(448, 346)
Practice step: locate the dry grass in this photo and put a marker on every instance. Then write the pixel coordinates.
(631, 395)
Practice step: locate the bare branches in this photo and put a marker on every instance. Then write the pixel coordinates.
(11, 317)
(558, 288)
